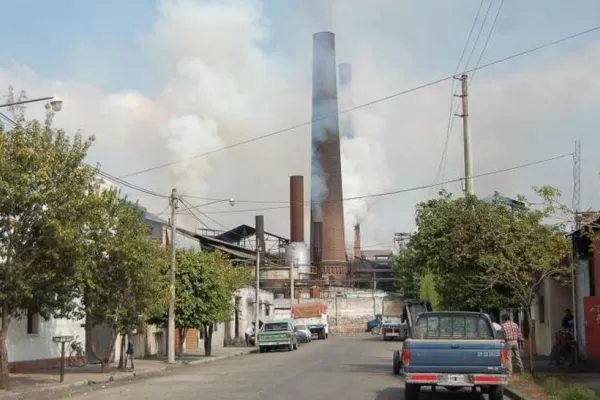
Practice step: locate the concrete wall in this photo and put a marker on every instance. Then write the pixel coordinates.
(346, 315)
(27, 351)
(548, 310)
(583, 290)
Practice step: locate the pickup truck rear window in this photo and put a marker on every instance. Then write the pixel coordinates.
(276, 327)
(455, 326)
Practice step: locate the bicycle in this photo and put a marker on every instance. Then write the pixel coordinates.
(77, 356)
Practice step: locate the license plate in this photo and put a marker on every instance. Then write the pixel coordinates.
(457, 379)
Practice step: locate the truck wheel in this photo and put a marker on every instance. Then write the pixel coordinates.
(322, 334)
(396, 363)
(496, 392)
(411, 391)
(262, 349)
(385, 338)
(326, 335)
(296, 346)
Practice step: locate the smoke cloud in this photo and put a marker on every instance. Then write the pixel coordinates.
(228, 71)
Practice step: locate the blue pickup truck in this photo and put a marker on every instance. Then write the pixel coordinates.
(453, 350)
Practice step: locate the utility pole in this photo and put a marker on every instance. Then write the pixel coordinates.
(574, 245)
(257, 298)
(374, 291)
(171, 322)
(292, 283)
(468, 156)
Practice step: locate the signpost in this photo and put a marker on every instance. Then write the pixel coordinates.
(63, 340)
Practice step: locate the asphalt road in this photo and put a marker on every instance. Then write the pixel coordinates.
(337, 368)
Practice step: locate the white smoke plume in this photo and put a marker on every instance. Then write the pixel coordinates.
(223, 73)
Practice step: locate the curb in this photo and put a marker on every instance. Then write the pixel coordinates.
(125, 376)
(514, 394)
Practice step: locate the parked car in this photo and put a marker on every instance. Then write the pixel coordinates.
(278, 335)
(303, 333)
(453, 350)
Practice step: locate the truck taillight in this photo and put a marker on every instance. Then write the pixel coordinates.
(289, 334)
(504, 358)
(406, 357)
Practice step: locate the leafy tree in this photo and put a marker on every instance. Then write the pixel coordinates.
(528, 252)
(42, 184)
(452, 235)
(205, 287)
(427, 290)
(123, 279)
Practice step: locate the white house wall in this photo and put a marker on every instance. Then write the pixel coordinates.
(36, 350)
(556, 298)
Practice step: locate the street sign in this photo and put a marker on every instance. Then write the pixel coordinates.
(62, 339)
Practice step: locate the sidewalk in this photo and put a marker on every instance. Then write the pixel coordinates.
(24, 385)
(584, 375)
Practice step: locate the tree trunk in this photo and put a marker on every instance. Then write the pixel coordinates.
(4, 374)
(106, 358)
(182, 334)
(531, 340)
(228, 340)
(208, 331)
(121, 360)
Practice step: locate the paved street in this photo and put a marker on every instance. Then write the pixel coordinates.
(337, 368)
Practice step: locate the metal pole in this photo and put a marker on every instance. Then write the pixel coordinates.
(575, 243)
(292, 284)
(257, 297)
(63, 352)
(374, 290)
(171, 322)
(16, 103)
(468, 156)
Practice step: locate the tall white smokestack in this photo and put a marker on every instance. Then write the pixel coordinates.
(345, 100)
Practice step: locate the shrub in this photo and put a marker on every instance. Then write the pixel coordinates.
(553, 386)
(577, 392)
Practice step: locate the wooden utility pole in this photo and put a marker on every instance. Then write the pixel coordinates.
(468, 156)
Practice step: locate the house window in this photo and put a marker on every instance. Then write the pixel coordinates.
(541, 309)
(267, 310)
(33, 323)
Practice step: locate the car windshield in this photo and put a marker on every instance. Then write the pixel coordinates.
(278, 326)
(453, 326)
(301, 327)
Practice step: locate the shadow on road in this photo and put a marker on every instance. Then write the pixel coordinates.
(393, 393)
(369, 368)
(396, 393)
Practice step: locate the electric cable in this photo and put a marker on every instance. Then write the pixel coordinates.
(412, 189)
(376, 101)
(453, 89)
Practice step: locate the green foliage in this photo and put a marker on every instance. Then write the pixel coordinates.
(42, 182)
(577, 392)
(205, 285)
(427, 290)
(496, 257)
(123, 278)
(553, 386)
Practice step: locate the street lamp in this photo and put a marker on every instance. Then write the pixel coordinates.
(231, 201)
(55, 102)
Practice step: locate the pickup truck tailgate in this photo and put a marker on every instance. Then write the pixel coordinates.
(477, 356)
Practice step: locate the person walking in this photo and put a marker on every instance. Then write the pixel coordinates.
(513, 336)
(129, 353)
(249, 333)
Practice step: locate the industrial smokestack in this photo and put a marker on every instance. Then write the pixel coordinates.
(345, 99)
(317, 248)
(296, 209)
(326, 174)
(357, 249)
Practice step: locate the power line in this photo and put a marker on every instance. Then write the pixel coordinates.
(453, 89)
(442, 166)
(412, 189)
(379, 100)
(105, 175)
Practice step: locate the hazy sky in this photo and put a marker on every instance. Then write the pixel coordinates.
(157, 81)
